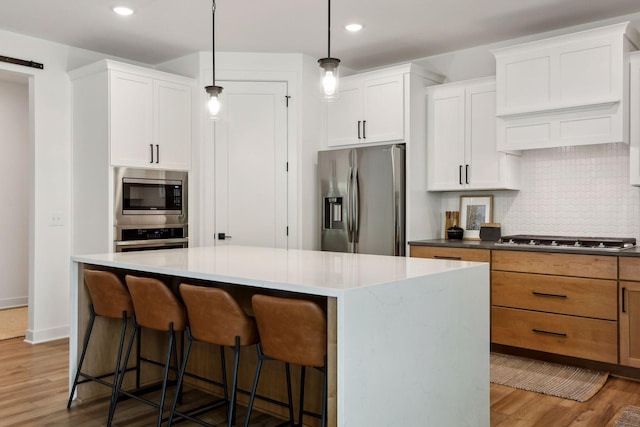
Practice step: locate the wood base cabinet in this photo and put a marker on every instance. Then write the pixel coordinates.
(629, 312)
(574, 336)
(455, 254)
(556, 303)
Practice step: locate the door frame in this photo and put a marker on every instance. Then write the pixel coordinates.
(30, 78)
(204, 155)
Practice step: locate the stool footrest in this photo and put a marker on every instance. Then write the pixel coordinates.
(192, 413)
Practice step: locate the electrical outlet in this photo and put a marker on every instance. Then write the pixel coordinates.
(56, 219)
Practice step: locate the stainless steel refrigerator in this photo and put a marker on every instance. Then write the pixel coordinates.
(363, 199)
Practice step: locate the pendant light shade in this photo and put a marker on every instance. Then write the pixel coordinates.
(329, 66)
(213, 104)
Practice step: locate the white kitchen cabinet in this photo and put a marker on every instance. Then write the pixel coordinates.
(634, 118)
(119, 113)
(370, 109)
(141, 117)
(461, 139)
(562, 91)
(149, 121)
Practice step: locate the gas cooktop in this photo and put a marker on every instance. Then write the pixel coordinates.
(564, 242)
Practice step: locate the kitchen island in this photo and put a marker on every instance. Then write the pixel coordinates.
(408, 339)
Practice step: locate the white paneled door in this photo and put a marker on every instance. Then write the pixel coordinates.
(251, 165)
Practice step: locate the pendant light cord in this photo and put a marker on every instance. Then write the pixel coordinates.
(329, 29)
(213, 41)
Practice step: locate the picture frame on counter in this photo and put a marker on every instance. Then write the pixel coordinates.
(474, 211)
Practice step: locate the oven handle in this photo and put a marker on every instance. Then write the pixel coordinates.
(150, 242)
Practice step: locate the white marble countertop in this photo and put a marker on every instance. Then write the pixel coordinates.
(311, 272)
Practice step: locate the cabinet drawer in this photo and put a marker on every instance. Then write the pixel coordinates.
(595, 266)
(462, 254)
(556, 294)
(630, 269)
(590, 339)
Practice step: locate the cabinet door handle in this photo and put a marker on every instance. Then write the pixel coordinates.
(555, 334)
(359, 129)
(151, 149)
(624, 298)
(364, 129)
(542, 294)
(466, 173)
(157, 153)
(460, 174)
(455, 258)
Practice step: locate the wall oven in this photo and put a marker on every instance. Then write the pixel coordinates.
(150, 209)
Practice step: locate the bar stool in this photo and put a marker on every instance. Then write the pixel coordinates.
(109, 299)
(215, 317)
(292, 331)
(157, 308)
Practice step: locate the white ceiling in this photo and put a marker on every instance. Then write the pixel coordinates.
(395, 30)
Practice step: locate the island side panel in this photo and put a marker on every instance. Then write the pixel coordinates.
(416, 352)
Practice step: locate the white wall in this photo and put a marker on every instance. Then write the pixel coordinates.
(14, 171)
(305, 136)
(50, 163)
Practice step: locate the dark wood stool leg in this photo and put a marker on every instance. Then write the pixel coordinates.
(181, 375)
(255, 385)
(289, 394)
(324, 396)
(84, 353)
(231, 417)
(120, 379)
(167, 368)
(302, 378)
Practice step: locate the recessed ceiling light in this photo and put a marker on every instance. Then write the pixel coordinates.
(123, 10)
(353, 27)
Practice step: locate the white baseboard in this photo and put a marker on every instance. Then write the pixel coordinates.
(13, 302)
(45, 335)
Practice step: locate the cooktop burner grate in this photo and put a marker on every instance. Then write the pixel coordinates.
(564, 242)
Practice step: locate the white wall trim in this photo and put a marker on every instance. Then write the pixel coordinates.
(14, 302)
(44, 335)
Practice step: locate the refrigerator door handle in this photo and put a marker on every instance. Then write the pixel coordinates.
(394, 203)
(349, 206)
(356, 208)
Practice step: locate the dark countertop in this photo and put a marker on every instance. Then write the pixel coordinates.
(479, 244)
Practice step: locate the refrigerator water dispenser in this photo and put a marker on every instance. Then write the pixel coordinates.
(333, 213)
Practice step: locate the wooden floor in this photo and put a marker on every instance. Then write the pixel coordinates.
(33, 392)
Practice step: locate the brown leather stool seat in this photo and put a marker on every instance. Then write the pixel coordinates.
(157, 308)
(292, 331)
(109, 299)
(215, 317)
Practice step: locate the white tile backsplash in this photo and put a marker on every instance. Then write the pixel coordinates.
(573, 191)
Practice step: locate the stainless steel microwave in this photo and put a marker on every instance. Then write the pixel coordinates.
(150, 197)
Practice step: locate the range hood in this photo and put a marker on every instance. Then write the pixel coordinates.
(563, 91)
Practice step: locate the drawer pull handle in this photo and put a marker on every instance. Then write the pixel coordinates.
(555, 334)
(455, 258)
(624, 302)
(542, 294)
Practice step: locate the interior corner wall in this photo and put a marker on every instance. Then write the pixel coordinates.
(14, 169)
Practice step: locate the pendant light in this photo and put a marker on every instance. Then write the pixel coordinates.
(213, 104)
(329, 66)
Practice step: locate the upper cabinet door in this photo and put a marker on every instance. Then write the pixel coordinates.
(149, 122)
(370, 109)
(130, 119)
(383, 109)
(345, 113)
(461, 139)
(485, 168)
(446, 138)
(173, 125)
